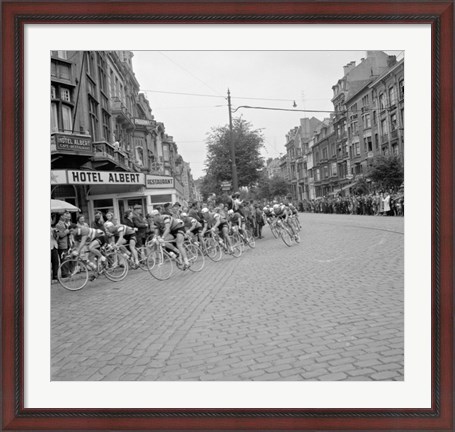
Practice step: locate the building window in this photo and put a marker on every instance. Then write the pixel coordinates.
(318, 174)
(384, 127)
(65, 94)
(140, 156)
(368, 145)
(381, 101)
(401, 84)
(334, 169)
(102, 73)
(375, 118)
(54, 117)
(393, 122)
(325, 153)
(60, 54)
(333, 152)
(61, 109)
(90, 64)
(376, 140)
(366, 121)
(67, 121)
(392, 95)
(357, 149)
(93, 116)
(326, 171)
(106, 126)
(395, 149)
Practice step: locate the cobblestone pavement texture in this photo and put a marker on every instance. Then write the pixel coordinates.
(330, 308)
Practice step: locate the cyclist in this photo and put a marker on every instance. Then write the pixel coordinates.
(92, 237)
(236, 221)
(192, 226)
(216, 222)
(281, 212)
(294, 213)
(166, 225)
(119, 234)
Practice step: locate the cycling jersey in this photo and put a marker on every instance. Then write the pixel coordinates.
(91, 233)
(190, 223)
(236, 218)
(175, 225)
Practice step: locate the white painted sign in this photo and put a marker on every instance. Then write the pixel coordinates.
(96, 177)
(159, 182)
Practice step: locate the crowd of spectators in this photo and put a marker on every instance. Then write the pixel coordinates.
(373, 204)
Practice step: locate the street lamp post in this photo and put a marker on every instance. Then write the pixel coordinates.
(235, 184)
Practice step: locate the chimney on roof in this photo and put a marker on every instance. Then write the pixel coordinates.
(391, 60)
(349, 67)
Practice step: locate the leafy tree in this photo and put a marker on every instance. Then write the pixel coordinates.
(279, 186)
(387, 172)
(269, 188)
(248, 144)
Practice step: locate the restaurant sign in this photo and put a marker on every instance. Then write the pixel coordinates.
(73, 143)
(98, 177)
(159, 182)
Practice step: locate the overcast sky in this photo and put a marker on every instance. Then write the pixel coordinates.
(255, 78)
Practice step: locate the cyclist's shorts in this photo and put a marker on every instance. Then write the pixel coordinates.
(177, 230)
(197, 231)
(130, 237)
(101, 240)
(222, 225)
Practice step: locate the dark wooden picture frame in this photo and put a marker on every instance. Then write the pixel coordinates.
(15, 15)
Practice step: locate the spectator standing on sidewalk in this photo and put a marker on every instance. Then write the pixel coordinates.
(63, 237)
(54, 252)
(386, 201)
(141, 224)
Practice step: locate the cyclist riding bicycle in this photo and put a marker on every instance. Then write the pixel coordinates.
(92, 237)
(192, 226)
(167, 225)
(120, 234)
(217, 223)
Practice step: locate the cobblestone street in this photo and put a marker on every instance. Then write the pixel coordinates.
(331, 308)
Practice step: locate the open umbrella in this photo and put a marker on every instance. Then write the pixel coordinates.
(59, 206)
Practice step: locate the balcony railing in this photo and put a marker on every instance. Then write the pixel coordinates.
(121, 111)
(384, 138)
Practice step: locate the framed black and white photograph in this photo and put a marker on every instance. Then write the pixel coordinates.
(231, 247)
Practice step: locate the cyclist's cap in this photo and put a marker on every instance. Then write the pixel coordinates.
(205, 210)
(231, 211)
(177, 204)
(108, 225)
(154, 213)
(276, 206)
(183, 215)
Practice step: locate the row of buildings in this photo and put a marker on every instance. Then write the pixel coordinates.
(331, 156)
(108, 152)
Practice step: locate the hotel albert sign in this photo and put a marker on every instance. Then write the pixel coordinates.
(96, 177)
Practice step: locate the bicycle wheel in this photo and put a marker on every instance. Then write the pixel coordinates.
(250, 240)
(116, 266)
(237, 240)
(274, 230)
(142, 256)
(286, 237)
(213, 249)
(195, 257)
(236, 249)
(160, 265)
(75, 274)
